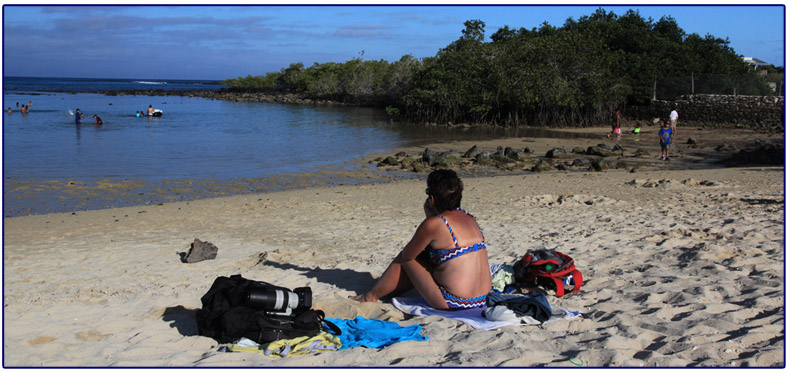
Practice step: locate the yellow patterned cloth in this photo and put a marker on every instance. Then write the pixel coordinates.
(293, 347)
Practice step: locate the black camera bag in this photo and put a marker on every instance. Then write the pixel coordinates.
(225, 317)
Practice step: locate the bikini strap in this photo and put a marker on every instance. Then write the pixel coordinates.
(456, 245)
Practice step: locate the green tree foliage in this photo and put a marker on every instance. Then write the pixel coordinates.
(576, 74)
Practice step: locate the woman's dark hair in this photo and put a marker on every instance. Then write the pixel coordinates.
(446, 187)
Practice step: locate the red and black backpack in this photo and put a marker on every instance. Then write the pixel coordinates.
(549, 269)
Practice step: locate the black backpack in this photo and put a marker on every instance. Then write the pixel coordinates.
(226, 317)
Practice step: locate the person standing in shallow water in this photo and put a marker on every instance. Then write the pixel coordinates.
(78, 115)
(446, 260)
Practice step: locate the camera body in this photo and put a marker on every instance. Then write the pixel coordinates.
(276, 300)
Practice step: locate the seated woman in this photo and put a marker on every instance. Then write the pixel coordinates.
(446, 260)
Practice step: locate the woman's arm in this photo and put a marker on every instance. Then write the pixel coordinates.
(424, 236)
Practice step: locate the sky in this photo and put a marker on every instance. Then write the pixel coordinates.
(227, 41)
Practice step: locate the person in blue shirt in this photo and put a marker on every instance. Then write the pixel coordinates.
(665, 137)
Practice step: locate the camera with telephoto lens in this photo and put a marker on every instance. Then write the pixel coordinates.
(278, 300)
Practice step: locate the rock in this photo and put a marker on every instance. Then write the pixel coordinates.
(389, 161)
(618, 148)
(556, 153)
(428, 156)
(691, 141)
(447, 158)
(484, 156)
(513, 153)
(603, 164)
(200, 251)
(725, 148)
(581, 163)
(578, 150)
(527, 150)
(641, 153)
(420, 167)
(604, 146)
(542, 165)
(402, 155)
(764, 153)
(472, 152)
(599, 151)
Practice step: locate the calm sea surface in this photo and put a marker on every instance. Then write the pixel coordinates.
(195, 138)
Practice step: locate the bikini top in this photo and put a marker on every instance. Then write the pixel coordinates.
(442, 256)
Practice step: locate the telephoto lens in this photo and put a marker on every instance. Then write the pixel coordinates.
(274, 299)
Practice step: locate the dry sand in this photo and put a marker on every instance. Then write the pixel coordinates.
(682, 268)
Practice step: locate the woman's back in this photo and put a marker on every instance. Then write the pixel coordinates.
(463, 269)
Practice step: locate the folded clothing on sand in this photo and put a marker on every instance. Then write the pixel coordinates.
(528, 309)
(374, 333)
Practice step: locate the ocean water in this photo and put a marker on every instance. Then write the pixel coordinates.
(28, 84)
(195, 138)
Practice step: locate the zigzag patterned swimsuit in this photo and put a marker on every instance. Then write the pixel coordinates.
(442, 256)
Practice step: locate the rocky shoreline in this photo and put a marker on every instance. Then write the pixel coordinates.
(599, 157)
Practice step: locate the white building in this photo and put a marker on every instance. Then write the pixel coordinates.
(755, 62)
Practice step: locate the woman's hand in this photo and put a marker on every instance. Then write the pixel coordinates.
(429, 208)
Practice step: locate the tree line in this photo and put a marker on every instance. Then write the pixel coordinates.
(573, 75)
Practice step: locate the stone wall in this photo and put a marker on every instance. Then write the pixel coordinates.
(716, 111)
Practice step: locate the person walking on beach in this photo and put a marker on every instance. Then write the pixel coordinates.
(674, 117)
(665, 137)
(446, 260)
(616, 125)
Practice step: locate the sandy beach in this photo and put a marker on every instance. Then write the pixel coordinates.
(683, 266)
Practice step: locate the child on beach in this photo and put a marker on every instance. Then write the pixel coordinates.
(665, 136)
(446, 260)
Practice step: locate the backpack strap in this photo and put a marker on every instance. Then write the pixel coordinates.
(322, 317)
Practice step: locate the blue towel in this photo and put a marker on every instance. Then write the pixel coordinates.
(374, 333)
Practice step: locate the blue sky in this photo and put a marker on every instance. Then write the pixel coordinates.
(218, 42)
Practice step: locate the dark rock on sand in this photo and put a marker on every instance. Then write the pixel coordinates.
(556, 153)
(200, 251)
(513, 153)
(447, 158)
(472, 152)
(428, 156)
(763, 153)
(599, 151)
(542, 165)
(484, 156)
